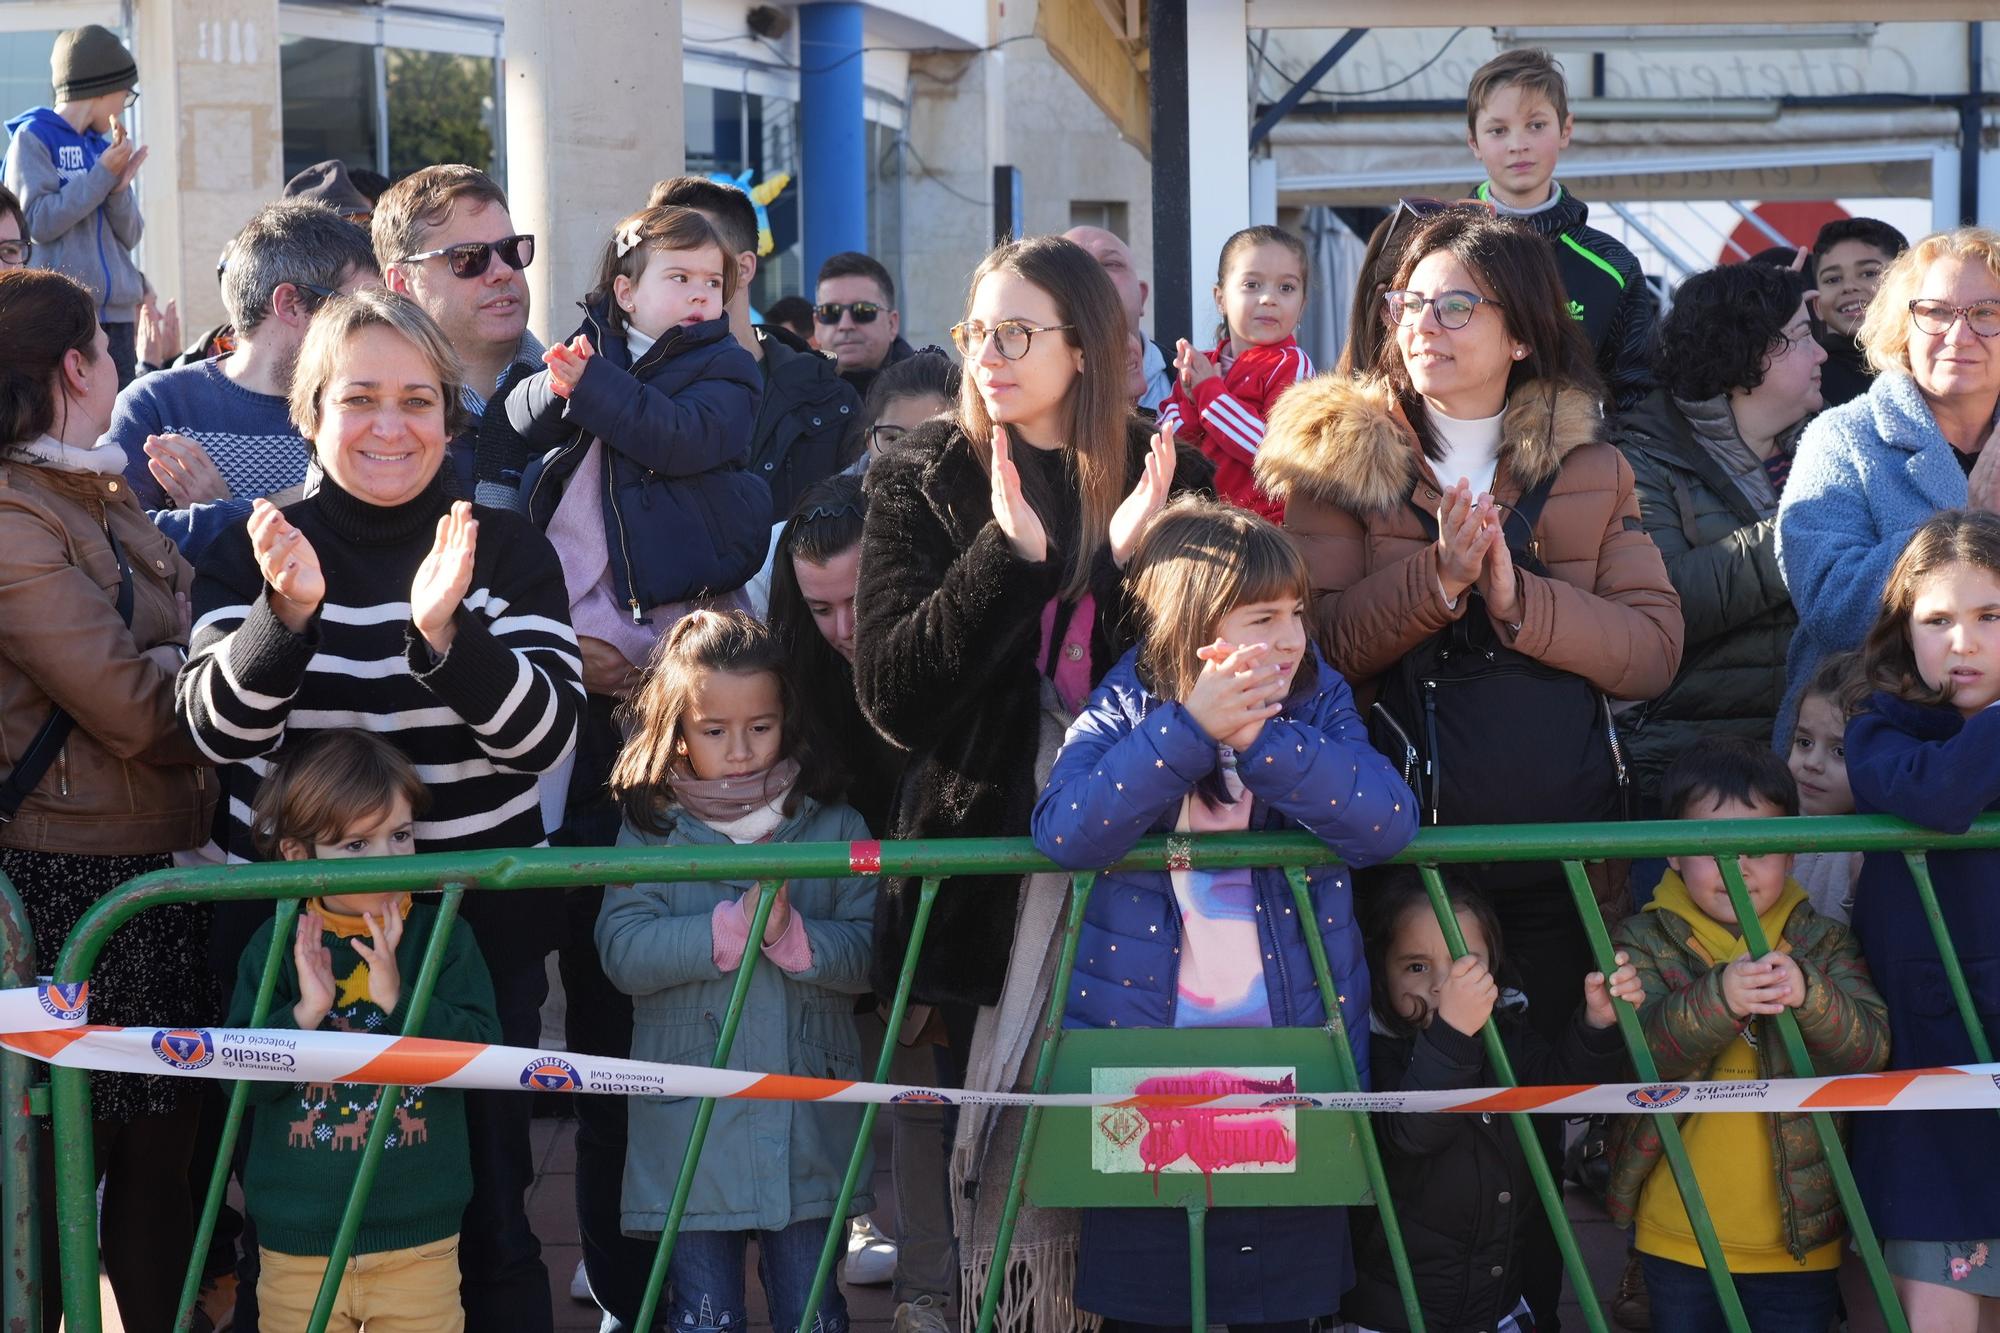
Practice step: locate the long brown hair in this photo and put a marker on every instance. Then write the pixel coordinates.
(642, 781)
(1953, 537)
(1097, 413)
(1195, 562)
(44, 316)
(1519, 269)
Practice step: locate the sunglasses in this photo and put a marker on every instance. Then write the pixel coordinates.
(320, 295)
(829, 312)
(472, 259)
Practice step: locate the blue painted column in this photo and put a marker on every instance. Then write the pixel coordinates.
(833, 163)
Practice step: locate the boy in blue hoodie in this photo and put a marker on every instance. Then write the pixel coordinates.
(72, 166)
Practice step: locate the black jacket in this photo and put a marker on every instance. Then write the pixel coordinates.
(1846, 375)
(1722, 557)
(802, 421)
(1608, 294)
(683, 516)
(860, 380)
(1460, 1182)
(947, 636)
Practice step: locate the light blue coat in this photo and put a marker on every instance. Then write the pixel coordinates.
(1867, 475)
(766, 1164)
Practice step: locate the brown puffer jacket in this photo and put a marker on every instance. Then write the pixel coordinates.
(1341, 454)
(128, 780)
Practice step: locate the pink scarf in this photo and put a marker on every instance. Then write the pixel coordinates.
(725, 800)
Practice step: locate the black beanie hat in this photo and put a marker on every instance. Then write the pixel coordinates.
(89, 62)
(327, 183)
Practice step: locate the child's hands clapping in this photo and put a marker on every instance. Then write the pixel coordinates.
(385, 981)
(1240, 689)
(565, 363)
(1766, 985)
(780, 919)
(1193, 365)
(315, 965)
(1598, 993)
(1468, 995)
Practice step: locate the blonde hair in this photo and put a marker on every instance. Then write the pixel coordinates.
(656, 227)
(1884, 334)
(1195, 562)
(320, 788)
(344, 316)
(1096, 412)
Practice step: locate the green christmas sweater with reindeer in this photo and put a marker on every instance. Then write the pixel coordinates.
(306, 1138)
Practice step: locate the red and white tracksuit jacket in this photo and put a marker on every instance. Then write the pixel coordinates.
(1226, 418)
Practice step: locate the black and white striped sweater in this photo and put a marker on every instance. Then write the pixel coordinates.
(480, 724)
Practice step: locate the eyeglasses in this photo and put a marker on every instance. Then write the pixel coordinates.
(320, 295)
(829, 312)
(13, 253)
(472, 259)
(131, 98)
(1013, 337)
(1937, 317)
(881, 437)
(1453, 309)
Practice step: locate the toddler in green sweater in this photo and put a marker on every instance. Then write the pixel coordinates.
(352, 794)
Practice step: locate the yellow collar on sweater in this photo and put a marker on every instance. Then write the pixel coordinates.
(1718, 941)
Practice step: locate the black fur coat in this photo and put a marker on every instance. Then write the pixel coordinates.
(947, 632)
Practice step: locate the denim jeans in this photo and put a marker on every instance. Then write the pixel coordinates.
(1684, 1301)
(706, 1275)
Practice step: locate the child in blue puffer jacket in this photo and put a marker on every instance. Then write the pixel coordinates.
(645, 416)
(1223, 718)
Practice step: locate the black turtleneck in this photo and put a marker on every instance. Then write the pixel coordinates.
(1846, 375)
(480, 723)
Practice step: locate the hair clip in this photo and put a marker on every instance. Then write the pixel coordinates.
(630, 237)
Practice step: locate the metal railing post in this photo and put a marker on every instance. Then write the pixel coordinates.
(20, 1182)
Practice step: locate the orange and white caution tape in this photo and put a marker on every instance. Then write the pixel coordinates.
(48, 1023)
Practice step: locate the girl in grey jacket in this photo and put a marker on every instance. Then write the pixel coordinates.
(720, 754)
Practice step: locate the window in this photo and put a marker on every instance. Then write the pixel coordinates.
(24, 70)
(1112, 215)
(329, 110)
(441, 109)
(390, 89)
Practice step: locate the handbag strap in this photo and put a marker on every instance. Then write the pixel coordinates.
(48, 741)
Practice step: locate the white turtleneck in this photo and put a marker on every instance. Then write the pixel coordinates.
(637, 343)
(1469, 449)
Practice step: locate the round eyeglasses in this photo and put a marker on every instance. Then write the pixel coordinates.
(1453, 309)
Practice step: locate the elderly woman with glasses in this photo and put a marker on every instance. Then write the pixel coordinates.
(1870, 471)
(1459, 492)
(1710, 449)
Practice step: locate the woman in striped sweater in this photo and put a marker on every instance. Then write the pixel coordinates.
(443, 627)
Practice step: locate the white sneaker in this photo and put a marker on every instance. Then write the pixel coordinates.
(871, 1256)
(579, 1286)
(923, 1315)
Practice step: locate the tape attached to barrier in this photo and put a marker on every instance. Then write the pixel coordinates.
(46, 1022)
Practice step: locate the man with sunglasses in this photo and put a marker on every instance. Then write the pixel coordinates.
(445, 239)
(855, 314)
(202, 441)
(72, 165)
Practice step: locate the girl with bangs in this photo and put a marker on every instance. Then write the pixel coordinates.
(1223, 718)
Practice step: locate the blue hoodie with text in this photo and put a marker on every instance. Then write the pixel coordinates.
(79, 221)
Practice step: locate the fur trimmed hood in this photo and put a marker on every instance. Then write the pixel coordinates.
(1345, 441)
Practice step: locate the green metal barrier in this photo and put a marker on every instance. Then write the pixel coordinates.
(21, 1280)
(931, 862)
